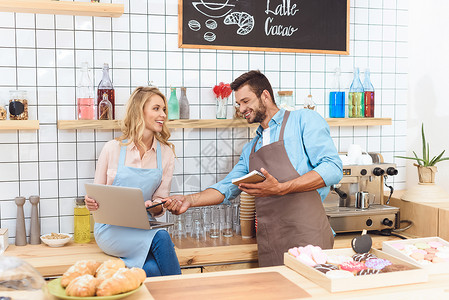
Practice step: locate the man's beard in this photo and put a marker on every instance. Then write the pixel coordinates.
(260, 113)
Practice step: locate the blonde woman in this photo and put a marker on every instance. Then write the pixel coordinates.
(142, 157)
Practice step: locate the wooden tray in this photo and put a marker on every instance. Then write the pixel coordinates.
(415, 275)
(267, 285)
(433, 268)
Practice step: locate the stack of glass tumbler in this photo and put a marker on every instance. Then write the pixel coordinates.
(209, 221)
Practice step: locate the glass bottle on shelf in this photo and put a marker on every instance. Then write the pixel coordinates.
(355, 97)
(286, 100)
(85, 95)
(309, 103)
(173, 105)
(368, 95)
(81, 221)
(336, 98)
(184, 109)
(105, 109)
(105, 86)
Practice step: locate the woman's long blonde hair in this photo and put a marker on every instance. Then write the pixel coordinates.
(133, 125)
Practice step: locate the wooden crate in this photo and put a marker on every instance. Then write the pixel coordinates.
(414, 275)
(433, 268)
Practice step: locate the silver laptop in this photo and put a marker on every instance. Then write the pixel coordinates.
(121, 206)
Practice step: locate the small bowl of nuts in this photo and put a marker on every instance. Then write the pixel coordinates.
(56, 239)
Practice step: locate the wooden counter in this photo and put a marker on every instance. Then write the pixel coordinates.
(198, 256)
(435, 288)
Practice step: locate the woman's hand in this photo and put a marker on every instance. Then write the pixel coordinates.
(177, 204)
(91, 204)
(155, 210)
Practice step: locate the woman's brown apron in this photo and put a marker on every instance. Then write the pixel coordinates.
(291, 220)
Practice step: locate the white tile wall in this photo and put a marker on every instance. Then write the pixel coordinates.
(41, 53)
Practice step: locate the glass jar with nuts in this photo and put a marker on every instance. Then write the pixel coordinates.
(18, 105)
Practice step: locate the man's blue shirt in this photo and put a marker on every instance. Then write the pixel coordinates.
(308, 144)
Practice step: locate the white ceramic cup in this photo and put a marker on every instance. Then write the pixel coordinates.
(366, 159)
(354, 154)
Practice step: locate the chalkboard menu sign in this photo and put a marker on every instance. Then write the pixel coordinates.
(316, 26)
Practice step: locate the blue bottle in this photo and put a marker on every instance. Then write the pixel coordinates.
(336, 98)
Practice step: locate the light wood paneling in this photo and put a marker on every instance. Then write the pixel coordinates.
(230, 267)
(213, 123)
(424, 217)
(62, 8)
(19, 124)
(443, 225)
(191, 271)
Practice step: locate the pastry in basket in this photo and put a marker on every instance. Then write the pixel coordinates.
(377, 263)
(352, 266)
(124, 280)
(338, 259)
(82, 267)
(362, 257)
(108, 268)
(325, 267)
(82, 286)
(309, 255)
(367, 272)
(395, 268)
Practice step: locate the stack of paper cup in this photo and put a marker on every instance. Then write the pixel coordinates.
(247, 213)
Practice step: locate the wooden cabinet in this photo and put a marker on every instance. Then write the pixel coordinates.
(429, 219)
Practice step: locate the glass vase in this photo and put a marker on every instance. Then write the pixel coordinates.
(221, 107)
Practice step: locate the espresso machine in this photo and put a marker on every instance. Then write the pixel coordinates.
(357, 201)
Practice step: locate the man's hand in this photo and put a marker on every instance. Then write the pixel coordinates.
(177, 204)
(269, 187)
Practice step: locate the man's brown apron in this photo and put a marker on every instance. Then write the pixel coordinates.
(292, 220)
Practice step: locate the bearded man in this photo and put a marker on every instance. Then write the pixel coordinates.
(295, 152)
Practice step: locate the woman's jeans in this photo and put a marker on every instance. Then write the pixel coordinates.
(162, 259)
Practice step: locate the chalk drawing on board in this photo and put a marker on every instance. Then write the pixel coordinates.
(244, 20)
(211, 24)
(209, 36)
(214, 9)
(194, 25)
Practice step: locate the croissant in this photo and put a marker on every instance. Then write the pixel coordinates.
(82, 286)
(80, 268)
(124, 280)
(108, 268)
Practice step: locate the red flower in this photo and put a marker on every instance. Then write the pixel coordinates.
(222, 90)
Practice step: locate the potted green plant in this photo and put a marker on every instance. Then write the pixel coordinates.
(426, 166)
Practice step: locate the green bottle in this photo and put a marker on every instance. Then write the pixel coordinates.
(173, 106)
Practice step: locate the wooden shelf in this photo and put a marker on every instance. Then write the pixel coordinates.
(62, 8)
(115, 124)
(19, 124)
(213, 123)
(358, 121)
